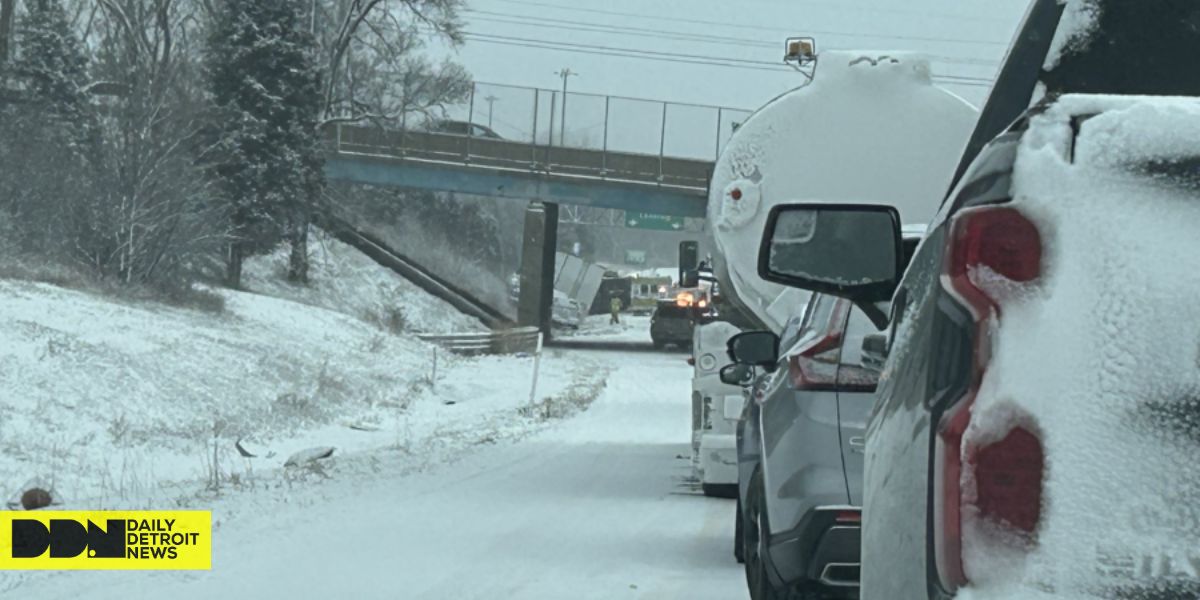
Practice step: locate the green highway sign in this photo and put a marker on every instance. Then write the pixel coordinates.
(636, 220)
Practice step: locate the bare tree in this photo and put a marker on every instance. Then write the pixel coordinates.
(154, 216)
(373, 71)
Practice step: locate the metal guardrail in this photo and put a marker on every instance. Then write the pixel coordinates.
(546, 132)
(509, 155)
(512, 341)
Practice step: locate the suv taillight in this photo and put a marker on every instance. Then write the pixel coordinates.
(814, 365)
(990, 248)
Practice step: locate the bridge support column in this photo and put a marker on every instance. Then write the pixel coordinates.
(537, 265)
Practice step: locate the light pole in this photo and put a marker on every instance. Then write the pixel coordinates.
(564, 73)
(491, 99)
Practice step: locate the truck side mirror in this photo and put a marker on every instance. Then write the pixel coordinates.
(755, 348)
(737, 374)
(689, 264)
(852, 251)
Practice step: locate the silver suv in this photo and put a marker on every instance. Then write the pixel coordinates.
(802, 509)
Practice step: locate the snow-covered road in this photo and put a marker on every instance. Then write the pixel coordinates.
(593, 508)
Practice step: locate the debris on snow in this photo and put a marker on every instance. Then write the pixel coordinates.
(309, 455)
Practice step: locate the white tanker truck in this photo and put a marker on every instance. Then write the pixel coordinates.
(868, 128)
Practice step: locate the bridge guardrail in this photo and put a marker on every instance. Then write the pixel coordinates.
(546, 131)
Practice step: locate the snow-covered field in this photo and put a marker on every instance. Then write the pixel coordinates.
(112, 403)
(594, 507)
(442, 484)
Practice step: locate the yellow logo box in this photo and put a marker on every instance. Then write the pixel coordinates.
(106, 540)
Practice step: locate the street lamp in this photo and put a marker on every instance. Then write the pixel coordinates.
(491, 99)
(564, 73)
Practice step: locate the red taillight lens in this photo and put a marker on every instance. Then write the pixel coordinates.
(1008, 481)
(947, 497)
(988, 247)
(849, 517)
(988, 242)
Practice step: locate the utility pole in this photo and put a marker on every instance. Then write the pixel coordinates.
(564, 73)
(490, 99)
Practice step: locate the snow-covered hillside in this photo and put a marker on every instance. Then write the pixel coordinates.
(346, 280)
(119, 403)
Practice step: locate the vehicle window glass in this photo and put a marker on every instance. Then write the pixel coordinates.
(806, 318)
(672, 311)
(791, 331)
(819, 312)
(1135, 48)
(856, 370)
(816, 321)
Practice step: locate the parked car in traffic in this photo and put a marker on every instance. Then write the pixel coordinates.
(802, 506)
(753, 382)
(716, 407)
(672, 324)
(801, 511)
(1034, 433)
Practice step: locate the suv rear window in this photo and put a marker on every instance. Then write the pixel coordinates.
(1136, 47)
(672, 311)
(853, 373)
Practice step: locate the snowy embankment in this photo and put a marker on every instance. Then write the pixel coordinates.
(117, 404)
(346, 280)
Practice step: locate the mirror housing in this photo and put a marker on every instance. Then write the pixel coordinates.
(754, 348)
(852, 251)
(737, 374)
(689, 264)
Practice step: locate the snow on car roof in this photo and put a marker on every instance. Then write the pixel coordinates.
(1119, 130)
(1074, 28)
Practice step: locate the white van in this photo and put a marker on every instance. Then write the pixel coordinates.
(715, 411)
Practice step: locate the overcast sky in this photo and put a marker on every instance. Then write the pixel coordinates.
(967, 38)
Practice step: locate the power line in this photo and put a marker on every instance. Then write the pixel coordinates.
(839, 5)
(700, 59)
(560, 24)
(625, 54)
(753, 27)
(618, 49)
(961, 80)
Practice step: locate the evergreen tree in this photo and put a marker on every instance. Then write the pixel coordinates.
(52, 68)
(48, 127)
(263, 79)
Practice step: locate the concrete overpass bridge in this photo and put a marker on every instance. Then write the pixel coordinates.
(546, 149)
